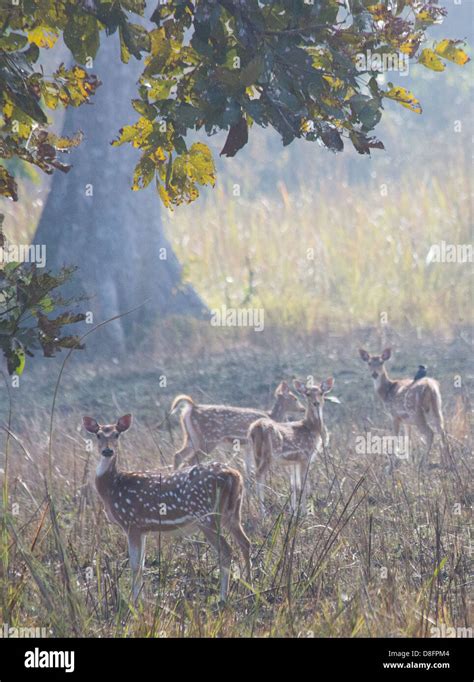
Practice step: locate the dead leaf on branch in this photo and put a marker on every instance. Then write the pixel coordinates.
(237, 138)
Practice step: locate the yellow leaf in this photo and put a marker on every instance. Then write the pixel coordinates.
(306, 126)
(378, 11)
(410, 45)
(165, 197)
(448, 50)
(429, 59)
(405, 98)
(425, 16)
(8, 109)
(43, 36)
(19, 123)
(200, 157)
(137, 133)
(334, 82)
(158, 156)
(158, 40)
(50, 92)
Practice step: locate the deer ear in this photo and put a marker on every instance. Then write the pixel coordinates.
(283, 388)
(299, 386)
(90, 424)
(364, 355)
(124, 423)
(386, 354)
(327, 385)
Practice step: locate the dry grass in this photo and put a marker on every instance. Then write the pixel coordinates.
(338, 257)
(378, 554)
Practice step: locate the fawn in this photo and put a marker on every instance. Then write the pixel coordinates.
(293, 444)
(205, 426)
(204, 497)
(409, 401)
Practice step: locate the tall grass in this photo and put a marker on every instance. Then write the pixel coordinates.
(337, 255)
(377, 554)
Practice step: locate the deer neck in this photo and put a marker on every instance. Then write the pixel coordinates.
(383, 385)
(313, 419)
(105, 475)
(277, 412)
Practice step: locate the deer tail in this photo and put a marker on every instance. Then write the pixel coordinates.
(181, 399)
(259, 435)
(235, 489)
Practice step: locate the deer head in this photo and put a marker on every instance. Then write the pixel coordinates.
(375, 362)
(314, 395)
(288, 400)
(107, 434)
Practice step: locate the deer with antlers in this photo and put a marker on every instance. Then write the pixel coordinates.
(204, 497)
(205, 426)
(292, 445)
(409, 401)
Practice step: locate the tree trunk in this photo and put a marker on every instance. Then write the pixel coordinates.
(115, 236)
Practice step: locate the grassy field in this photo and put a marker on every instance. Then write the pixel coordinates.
(377, 553)
(337, 258)
(335, 264)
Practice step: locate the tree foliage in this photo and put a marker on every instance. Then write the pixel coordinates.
(27, 297)
(208, 66)
(213, 65)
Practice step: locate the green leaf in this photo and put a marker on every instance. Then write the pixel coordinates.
(135, 39)
(16, 361)
(144, 173)
(8, 186)
(367, 110)
(250, 73)
(81, 35)
(145, 109)
(13, 42)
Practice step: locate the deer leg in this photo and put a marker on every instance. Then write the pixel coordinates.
(136, 553)
(232, 519)
(304, 484)
(396, 423)
(263, 465)
(260, 478)
(224, 553)
(408, 441)
(295, 484)
(439, 424)
(325, 436)
(238, 533)
(248, 460)
(262, 452)
(428, 433)
(403, 440)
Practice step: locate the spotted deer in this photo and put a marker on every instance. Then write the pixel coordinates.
(205, 426)
(409, 401)
(201, 497)
(293, 445)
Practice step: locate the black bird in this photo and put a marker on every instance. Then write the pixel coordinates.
(420, 373)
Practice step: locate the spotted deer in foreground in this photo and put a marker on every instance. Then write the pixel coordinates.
(205, 426)
(293, 445)
(409, 401)
(204, 497)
